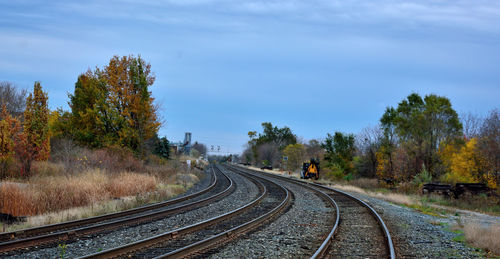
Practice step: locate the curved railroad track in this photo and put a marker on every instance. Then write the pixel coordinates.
(204, 236)
(221, 186)
(359, 231)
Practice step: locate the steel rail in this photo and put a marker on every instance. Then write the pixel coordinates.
(233, 232)
(385, 230)
(98, 227)
(148, 242)
(324, 247)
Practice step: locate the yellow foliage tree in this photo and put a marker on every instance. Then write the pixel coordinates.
(465, 164)
(296, 154)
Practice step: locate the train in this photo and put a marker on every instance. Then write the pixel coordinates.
(310, 169)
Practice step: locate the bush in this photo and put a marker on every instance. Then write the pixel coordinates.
(421, 178)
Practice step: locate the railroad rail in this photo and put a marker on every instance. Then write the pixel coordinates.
(346, 200)
(210, 233)
(69, 230)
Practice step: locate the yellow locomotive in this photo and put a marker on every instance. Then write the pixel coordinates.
(310, 169)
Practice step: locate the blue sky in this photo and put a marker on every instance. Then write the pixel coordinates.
(224, 67)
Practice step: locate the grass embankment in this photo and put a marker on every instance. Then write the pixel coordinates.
(56, 196)
(469, 231)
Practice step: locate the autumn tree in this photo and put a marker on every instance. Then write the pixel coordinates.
(114, 106)
(128, 80)
(296, 154)
(10, 131)
(34, 143)
(464, 162)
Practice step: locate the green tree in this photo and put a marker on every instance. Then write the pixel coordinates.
(269, 144)
(420, 126)
(92, 119)
(162, 148)
(340, 151)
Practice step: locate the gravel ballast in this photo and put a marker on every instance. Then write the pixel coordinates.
(295, 234)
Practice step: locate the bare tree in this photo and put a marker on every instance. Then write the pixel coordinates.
(201, 148)
(247, 155)
(13, 98)
(314, 149)
(489, 144)
(367, 143)
(471, 123)
(269, 154)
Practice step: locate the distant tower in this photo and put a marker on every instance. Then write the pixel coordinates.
(187, 143)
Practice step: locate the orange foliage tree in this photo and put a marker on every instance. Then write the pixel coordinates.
(128, 80)
(34, 143)
(10, 130)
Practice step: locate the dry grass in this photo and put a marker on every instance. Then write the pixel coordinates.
(44, 194)
(392, 197)
(164, 191)
(485, 237)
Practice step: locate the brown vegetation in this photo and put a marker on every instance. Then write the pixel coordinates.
(51, 193)
(485, 237)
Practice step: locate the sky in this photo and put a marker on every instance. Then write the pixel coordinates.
(224, 67)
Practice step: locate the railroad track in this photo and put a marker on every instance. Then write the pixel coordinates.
(221, 186)
(204, 236)
(358, 231)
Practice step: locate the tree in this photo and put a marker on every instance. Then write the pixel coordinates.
(128, 80)
(296, 154)
(92, 120)
(10, 129)
(471, 124)
(34, 142)
(314, 149)
(268, 154)
(340, 151)
(368, 142)
(201, 148)
(114, 105)
(13, 99)
(266, 147)
(162, 148)
(464, 164)
(489, 146)
(421, 125)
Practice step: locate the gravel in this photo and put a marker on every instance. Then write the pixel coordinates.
(245, 190)
(296, 233)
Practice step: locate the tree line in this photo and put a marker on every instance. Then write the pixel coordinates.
(109, 107)
(421, 138)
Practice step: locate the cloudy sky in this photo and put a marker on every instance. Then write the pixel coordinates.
(224, 67)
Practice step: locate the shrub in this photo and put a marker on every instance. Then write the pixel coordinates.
(423, 177)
